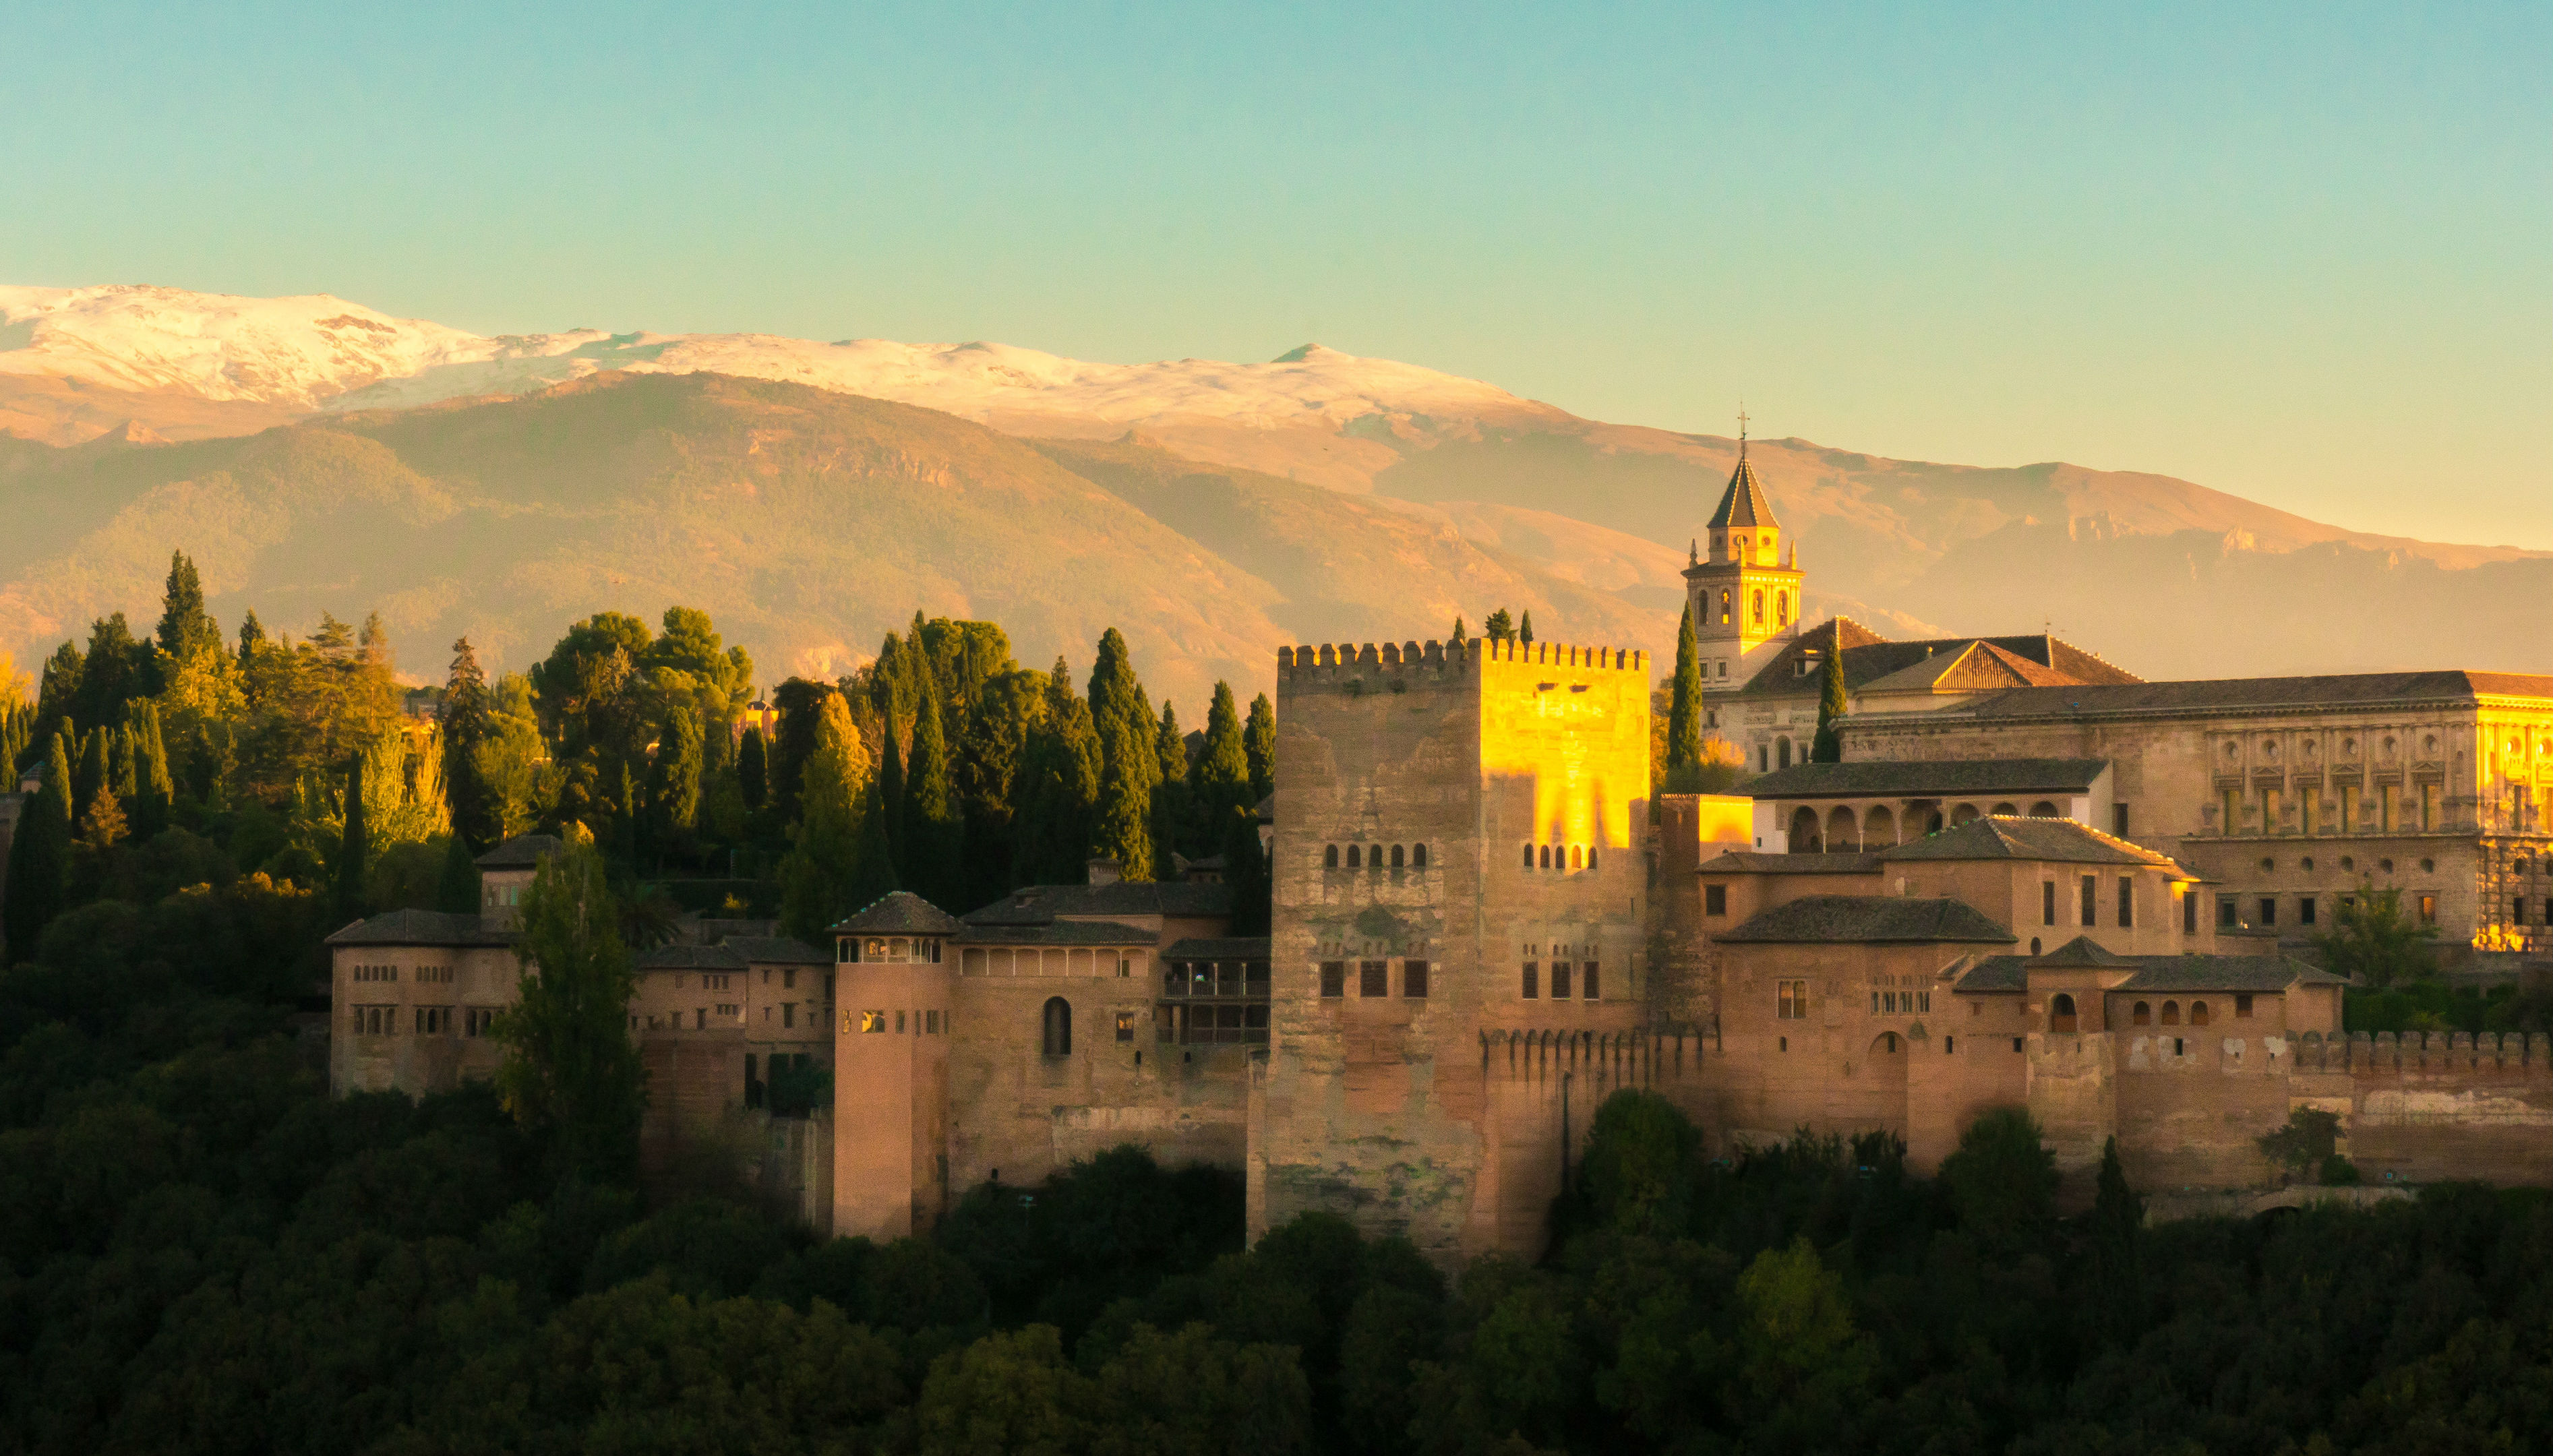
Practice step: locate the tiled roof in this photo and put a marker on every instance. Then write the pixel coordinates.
(422, 928)
(2083, 953)
(2349, 690)
(1870, 660)
(1871, 919)
(2000, 837)
(1996, 973)
(1038, 904)
(1194, 948)
(522, 851)
(1743, 503)
(1748, 862)
(691, 958)
(1913, 778)
(776, 950)
(2225, 973)
(898, 913)
(1058, 933)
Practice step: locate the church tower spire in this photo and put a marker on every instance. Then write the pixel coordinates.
(1744, 597)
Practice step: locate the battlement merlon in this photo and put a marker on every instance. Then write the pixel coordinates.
(1311, 668)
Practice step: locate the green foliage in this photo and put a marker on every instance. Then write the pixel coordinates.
(456, 884)
(467, 716)
(1259, 739)
(934, 835)
(39, 857)
(2002, 1180)
(1501, 628)
(753, 769)
(1684, 707)
(1833, 703)
(1128, 765)
(571, 1071)
(1636, 1177)
(1057, 792)
(354, 848)
(2374, 943)
(2306, 1140)
(1245, 870)
(839, 856)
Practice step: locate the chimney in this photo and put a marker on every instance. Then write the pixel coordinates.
(1105, 872)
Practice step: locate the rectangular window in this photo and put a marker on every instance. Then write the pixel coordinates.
(2268, 910)
(2429, 818)
(2386, 797)
(2517, 911)
(2188, 910)
(788, 1013)
(1714, 899)
(2268, 810)
(2307, 801)
(2428, 910)
(1790, 1001)
(2348, 808)
(931, 1023)
(1334, 980)
(2015, 1044)
(898, 1022)
(1590, 981)
(1373, 979)
(2048, 902)
(1413, 980)
(2242, 1004)
(2305, 910)
(2228, 914)
(2092, 893)
(2119, 820)
(2233, 812)
(1560, 980)
(1125, 1026)
(2127, 902)
(789, 980)
(873, 1022)
(1532, 981)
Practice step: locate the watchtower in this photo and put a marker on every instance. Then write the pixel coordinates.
(891, 1067)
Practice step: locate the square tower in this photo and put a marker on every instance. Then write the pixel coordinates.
(1457, 875)
(1746, 599)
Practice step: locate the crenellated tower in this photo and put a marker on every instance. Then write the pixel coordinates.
(1746, 599)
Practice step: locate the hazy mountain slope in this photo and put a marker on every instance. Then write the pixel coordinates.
(806, 522)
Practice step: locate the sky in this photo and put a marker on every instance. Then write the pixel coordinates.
(2296, 252)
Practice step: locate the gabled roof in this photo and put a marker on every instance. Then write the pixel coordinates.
(898, 913)
(1254, 947)
(1975, 667)
(776, 950)
(1744, 505)
(1869, 920)
(1995, 974)
(691, 958)
(522, 851)
(2083, 953)
(1038, 904)
(1924, 778)
(1749, 862)
(1999, 836)
(1058, 933)
(1873, 663)
(422, 928)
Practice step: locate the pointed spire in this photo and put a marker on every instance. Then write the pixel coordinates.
(1692, 552)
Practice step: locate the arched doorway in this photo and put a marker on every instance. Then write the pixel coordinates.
(2043, 810)
(1804, 831)
(1058, 1026)
(1878, 830)
(1883, 1072)
(1842, 832)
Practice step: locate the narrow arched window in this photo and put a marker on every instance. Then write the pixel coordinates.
(1058, 1027)
(1395, 856)
(2172, 1013)
(2141, 1014)
(1546, 857)
(1723, 607)
(1577, 857)
(1528, 856)
(1354, 860)
(1759, 608)
(1329, 856)
(2198, 1013)
(1418, 857)
(1781, 609)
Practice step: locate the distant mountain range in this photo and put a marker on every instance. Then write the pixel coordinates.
(315, 454)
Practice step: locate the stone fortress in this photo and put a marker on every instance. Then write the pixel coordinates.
(2034, 879)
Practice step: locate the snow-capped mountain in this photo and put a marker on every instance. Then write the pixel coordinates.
(316, 352)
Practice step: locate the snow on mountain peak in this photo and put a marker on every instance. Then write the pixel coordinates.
(319, 352)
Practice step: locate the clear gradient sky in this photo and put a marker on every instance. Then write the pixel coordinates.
(2303, 254)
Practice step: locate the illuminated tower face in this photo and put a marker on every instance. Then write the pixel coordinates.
(1747, 595)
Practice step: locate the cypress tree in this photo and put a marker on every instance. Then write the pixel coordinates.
(752, 769)
(95, 771)
(1683, 713)
(1174, 824)
(252, 636)
(1461, 633)
(933, 836)
(1245, 870)
(1258, 740)
(1057, 790)
(185, 628)
(466, 715)
(121, 755)
(1525, 628)
(40, 856)
(800, 704)
(890, 790)
(456, 889)
(2118, 1263)
(1219, 779)
(1129, 764)
(56, 695)
(113, 672)
(353, 846)
(830, 863)
(675, 794)
(1828, 746)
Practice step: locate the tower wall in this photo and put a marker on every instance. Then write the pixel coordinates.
(891, 1095)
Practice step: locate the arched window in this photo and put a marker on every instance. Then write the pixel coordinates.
(1781, 609)
(2060, 1013)
(1723, 606)
(1355, 857)
(1759, 608)
(1528, 856)
(2172, 1013)
(2043, 810)
(2005, 811)
(1058, 1027)
(2141, 1014)
(1963, 814)
(1546, 857)
(1576, 856)
(2198, 1013)
(1417, 856)
(1395, 856)
(2034, 945)
(1804, 830)
(1329, 856)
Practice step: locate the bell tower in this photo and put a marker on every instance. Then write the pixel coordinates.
(1746, 599)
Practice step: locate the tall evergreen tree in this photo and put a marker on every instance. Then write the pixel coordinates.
(354, 847)
(675, 795)
(1501, 628)
(752, 769)
(1219, 779)
(1129, 764)
(1245, 870)
(890, 791)
(1175, 828)
(1683, 713)
(252, 636)
(91, 772)
(1258, 740)
(478, 812)
(1828, 746)
(455, 888)
(800, 704)
(1057, 792)
(934, 835)
(829, 865)
(156, 784)
(1525, 628)
(185, 628)
(40, 856)
(571, 1070)
(114, 671)
(56, 696)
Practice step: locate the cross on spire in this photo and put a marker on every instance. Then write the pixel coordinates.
(1742, 430)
